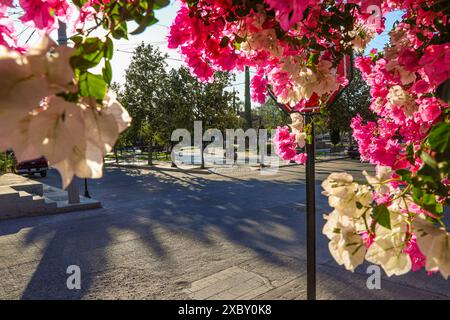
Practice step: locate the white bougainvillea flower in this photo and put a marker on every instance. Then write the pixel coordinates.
(114, 108)
(347, 197)
(434, 242)
(26, 81)
(334, 180)
(364, 196)
(378, 182)
(79, 163)
(401, 98)
(387, 250)
(102, 125)
(20, 92)
(361, 37)
(393, 260)
(56, 130)
(18, 140)
(348, 250)
(51, 61)
(297, 129)
(345, 245)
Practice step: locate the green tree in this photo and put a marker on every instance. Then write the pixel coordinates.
(146, 78)
(270, 115)
(355, 99)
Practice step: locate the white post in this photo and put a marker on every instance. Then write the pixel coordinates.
(73, 194)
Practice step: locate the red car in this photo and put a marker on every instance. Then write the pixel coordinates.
(33, 166)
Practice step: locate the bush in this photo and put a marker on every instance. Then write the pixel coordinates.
(6, 162)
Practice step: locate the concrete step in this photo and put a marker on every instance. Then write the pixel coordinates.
(21, 183)
(25, 196)
(20, 197)
(27, 205)
(7, 194)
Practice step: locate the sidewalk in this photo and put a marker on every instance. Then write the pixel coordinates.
(177, 235)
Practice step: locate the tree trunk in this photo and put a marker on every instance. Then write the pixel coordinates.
(116, 155)
(150, 152)
(202, 155)
(247, 101)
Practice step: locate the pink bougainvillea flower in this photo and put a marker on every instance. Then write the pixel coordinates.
(285, 143)
(288, 12)
(418, 260)
(367, 238)
(436, 63)
(259, 88)
(408, 58)
(429, 109)
(301, 158)
(44, 14)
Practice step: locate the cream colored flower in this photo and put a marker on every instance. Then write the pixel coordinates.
(347, 197)
(393, 260)
(20, 92)
(263, 40)
(383, 173)
(345, 245)
(361, 37)
(406, 77)
(26, 81)
(102, 126)
(56, 130)
(399, 97)
(297, 129)
(434, 242)
(51, 61)
(387, 248)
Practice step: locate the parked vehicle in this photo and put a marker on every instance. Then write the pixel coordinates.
(39, 165)
(353, 152)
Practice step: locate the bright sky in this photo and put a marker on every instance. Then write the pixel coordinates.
(156, 35)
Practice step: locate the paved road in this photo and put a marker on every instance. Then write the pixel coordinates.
(167, 234)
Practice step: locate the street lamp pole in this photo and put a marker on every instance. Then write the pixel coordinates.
(73, 195)
(310, 211)
(86, 191)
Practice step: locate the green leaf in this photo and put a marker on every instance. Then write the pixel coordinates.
(381, 216)
(77, 39)
(404, 174)
(107, 72)
(108, 49)
(80, 3)
(443, 91)
(428, 160)
(158, 4)
(92, 85)
(224, 42)
(439, 137)
(410, 153)
(121, 31)
(144, 21)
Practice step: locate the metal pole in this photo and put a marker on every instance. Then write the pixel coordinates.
(86, 191)
(62, 34)
(73, 194)
(310, 213)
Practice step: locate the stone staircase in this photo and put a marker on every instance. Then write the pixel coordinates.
(16, 203)
(23, 197)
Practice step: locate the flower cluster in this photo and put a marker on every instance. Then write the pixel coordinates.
(297, 49)
(51, 103)
(287, 142)
(295, 46)
(402, 85)
(36, 120)
(389, 231)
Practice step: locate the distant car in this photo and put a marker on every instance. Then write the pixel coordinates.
(353, 152)
(39, 165)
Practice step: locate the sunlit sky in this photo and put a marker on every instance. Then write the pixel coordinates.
(156, 35)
